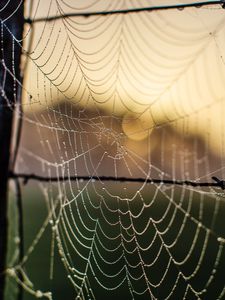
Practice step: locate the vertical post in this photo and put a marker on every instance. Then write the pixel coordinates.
(12, 22)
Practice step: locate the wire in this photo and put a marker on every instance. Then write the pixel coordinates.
(126, 11)
(26, 177)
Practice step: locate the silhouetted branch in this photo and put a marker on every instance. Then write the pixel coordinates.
(10, 54)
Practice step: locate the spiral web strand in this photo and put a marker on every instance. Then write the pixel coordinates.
(136, 95)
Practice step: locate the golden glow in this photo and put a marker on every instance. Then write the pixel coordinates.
(136, 128)
(152, 68)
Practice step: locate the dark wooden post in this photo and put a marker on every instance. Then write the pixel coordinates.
(12, 22)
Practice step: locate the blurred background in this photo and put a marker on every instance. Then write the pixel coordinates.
(136, 95)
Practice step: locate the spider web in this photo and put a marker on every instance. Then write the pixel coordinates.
(136, 95)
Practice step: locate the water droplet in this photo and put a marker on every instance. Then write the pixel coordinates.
(17, 240)
(39, 294)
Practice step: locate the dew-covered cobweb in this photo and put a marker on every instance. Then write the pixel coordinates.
(137, 95)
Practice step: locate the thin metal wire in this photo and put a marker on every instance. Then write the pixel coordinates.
(26, 177)
(129, 10)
